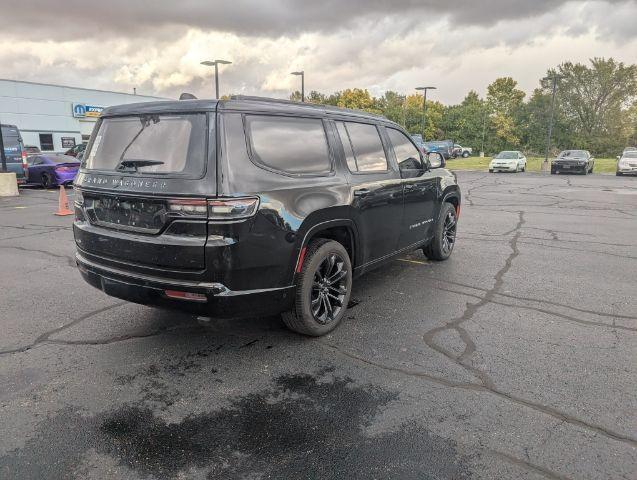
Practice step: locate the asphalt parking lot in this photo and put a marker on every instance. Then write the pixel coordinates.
(517, 358)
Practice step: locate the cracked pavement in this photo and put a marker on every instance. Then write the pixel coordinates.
(517, 358)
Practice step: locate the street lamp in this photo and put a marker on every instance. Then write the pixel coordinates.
(216, 63)
(545, 165)
(424, 108)
(302, 74)
(3, 157)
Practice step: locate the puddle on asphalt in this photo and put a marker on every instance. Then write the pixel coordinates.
(303, 426)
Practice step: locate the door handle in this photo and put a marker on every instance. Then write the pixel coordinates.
(362, 192)
(410, 188)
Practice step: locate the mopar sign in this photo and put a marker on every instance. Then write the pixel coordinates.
(83, 110)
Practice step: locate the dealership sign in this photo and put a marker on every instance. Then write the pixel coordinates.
(83, 110)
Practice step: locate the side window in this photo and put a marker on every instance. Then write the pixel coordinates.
(407, 155)
(289, 144)
(367, 146)
(46, 142)
(37, 160)
(347, 146)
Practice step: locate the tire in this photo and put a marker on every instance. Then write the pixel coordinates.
(585, 172)
(553, 172)
(465, 154)
(619, 174)
(47, 181)
(315, 296)
(445, 229)
(490, 170)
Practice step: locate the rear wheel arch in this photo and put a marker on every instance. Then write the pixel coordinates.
(342, 231)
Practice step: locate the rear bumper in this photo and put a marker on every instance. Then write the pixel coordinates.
(220, 301)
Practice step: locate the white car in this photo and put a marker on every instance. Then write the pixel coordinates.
(627, 163)
(508, 161)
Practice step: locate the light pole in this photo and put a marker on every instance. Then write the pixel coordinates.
(302, 75)
(424, 108)
(216, 63)
(2, 155)
(545, 164)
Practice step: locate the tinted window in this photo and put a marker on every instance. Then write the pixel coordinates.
(347, 146)
(367, 146)
(177, 143)
(46, 142)
(289, 144)
(407, 155)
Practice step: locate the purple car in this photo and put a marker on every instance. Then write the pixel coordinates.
(50, 170)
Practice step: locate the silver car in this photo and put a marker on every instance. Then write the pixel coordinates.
(627, 163)
(508, 161)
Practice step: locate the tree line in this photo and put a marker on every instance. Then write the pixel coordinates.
(595, 109)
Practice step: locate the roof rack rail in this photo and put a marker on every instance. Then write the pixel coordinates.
(332, 108)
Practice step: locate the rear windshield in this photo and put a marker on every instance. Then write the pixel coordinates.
(156, 144)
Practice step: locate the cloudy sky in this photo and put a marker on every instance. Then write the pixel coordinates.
(157, 45)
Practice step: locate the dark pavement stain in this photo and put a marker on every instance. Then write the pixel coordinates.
(303, 427)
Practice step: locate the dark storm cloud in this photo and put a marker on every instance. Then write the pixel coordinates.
(46, 19)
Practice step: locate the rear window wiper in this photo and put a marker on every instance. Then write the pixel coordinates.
(133, 165)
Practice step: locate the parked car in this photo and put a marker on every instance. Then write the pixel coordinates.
(573, 161)
(444, 147)
(31, 149)
(14, 152)
(76, 150)
(300, 200)
(460, 151)
(508, 161)
(50, 170)
(627, 163)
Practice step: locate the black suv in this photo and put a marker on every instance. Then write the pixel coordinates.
(253, 206)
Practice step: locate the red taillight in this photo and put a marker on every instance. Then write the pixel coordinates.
(215, 209)
(232, 208)
(25, 164)
(62, 169)
(189, 296)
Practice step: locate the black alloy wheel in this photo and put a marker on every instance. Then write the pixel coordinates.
(46, 180)
(444, 239)
(329, 289)
(449, 232)
(323, 289)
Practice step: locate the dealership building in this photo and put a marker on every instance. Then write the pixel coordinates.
(55, 117)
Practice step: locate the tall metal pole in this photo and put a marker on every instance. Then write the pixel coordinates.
(550, 132)
(303, 86)
(216, 80)
(301, 74)
(2, 154)
(424, 115)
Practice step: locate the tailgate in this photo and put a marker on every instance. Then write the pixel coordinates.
(141, 231)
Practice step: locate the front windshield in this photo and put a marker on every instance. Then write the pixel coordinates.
(631, 154)
(507, 155)
(573, 154)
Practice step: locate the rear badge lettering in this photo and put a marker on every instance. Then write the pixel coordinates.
(125, 182)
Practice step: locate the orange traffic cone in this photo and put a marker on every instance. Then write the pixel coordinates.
(63, 203)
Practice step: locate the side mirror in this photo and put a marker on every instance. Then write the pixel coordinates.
(435, 160)
(619, 157)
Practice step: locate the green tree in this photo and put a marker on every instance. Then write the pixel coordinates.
(504, 101)
(596, 99)
(358, 99)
